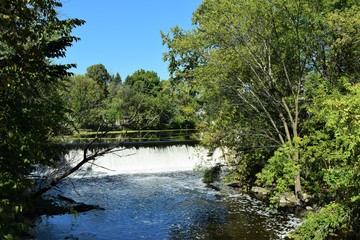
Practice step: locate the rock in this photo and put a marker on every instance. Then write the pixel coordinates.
(57, 206)
(82, 207)
(309, 208)
(212, 186)
(260, 193)
(234, 184)
(211, 175)
(288, 199)
(307, 197)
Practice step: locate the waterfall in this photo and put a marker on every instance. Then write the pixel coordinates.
(144, 160)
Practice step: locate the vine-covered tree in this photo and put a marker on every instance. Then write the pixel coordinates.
(31, 110)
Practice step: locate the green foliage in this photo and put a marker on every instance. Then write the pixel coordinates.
(211, 174)
(250, 71)
(279, 174)
(100, 75)
(145, 82)
(141, 102)
(31, 109)
(331, 149)
(114, 85)
(185, 104)
(85, 100)
(278, 81)
(146, 103)
(323, 223)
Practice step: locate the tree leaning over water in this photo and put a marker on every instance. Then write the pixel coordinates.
(31, 110)
(255, 65)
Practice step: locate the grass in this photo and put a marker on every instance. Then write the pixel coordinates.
(131, 135)
(131, 131)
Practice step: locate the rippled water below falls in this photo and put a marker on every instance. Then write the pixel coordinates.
(173, 205)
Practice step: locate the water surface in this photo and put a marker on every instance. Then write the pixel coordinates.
(161, 205)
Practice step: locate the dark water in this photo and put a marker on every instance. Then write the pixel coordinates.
(173, 205)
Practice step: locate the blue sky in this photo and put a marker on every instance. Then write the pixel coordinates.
(124, 35)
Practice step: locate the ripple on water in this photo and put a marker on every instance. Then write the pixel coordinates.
(173, 205)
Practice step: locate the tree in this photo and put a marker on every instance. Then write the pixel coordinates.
(113, 102)
(179, 104)
(255, 59)
(146, 82)
(185, 103)
(139, 99)
(85, 101)
(253, 65)
(114, 85)
(183, 60)
(31, 110)
(99, 73)
(330, 153)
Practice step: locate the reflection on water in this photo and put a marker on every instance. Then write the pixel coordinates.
(174, 205)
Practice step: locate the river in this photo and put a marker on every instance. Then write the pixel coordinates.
(154, 193)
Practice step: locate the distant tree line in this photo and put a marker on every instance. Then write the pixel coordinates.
(100, 100)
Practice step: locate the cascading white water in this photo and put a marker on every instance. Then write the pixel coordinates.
(145, 160)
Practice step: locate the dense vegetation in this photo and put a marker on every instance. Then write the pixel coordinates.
(276, 83)
(31, 109)
(99, 100)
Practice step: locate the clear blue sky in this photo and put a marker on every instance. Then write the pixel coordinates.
(124, 35)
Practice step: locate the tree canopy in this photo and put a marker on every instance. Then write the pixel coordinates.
(254, 66)
(31, 109)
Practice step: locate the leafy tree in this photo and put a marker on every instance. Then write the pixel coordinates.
(114, 85)
(85, 100)
(255, 57)
(183, 56)
(180, 105)
(169, 117)
(99, 73)
(139, 99)
(146, 82)
(253, 66)
(31, 110)
(113, 102)
(330, 154)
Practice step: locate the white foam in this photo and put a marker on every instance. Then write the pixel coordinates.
(141, 160)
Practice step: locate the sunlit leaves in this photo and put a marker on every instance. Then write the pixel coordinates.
(84, 100)
(319, 224)
(279, 78)
(31, 109)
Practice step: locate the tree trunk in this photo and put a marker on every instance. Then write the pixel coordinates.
(298, 190)
(294, 144)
